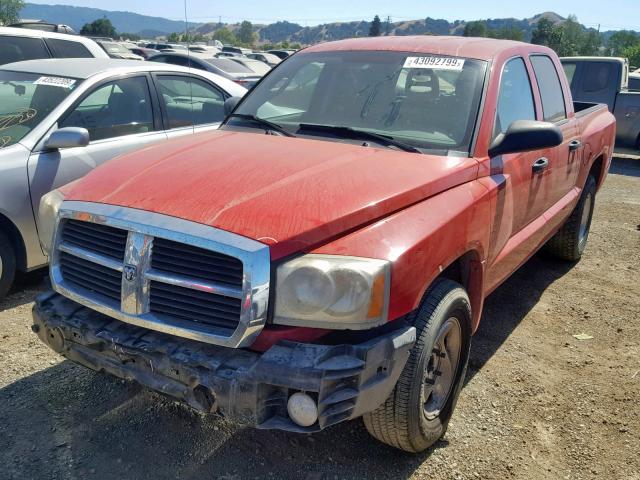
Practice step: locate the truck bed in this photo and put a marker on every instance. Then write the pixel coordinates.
(583, 108)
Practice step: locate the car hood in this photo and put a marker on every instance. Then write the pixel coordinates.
(291, 193)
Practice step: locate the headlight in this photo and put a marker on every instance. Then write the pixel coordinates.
(47, 214)
(331, 291)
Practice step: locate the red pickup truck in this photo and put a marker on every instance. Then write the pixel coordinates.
(326, 255)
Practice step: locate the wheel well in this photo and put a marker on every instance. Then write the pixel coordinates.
(467, 271)
(596, 169)
(15, 238)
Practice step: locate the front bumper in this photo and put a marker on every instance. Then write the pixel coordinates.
(249, 388)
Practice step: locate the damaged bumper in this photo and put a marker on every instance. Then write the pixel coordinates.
(251, 388)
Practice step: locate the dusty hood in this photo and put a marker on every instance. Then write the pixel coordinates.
(292, 193)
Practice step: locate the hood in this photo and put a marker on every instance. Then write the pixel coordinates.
(291, 193)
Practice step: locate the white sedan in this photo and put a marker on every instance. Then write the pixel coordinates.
(59, 119)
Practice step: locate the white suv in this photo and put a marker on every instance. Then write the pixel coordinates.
(18, 44)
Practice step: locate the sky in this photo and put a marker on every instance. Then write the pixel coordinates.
(610, 14)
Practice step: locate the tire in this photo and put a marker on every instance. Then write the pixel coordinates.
(417, 412)
(7, 264)
(571, 240)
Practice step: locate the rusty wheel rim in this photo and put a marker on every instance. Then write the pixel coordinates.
(441, 369)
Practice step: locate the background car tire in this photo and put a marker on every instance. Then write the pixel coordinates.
(402, 421)
(7, 265)
(571, 240)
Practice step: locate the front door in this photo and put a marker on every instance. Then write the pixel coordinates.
(119, 117)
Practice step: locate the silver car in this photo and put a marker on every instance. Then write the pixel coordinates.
(59, 119)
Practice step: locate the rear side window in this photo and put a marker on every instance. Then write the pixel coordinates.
(189, 101)
(597, 76)
(67, 49)
(17, 49)
(550, 88)
(515, 99)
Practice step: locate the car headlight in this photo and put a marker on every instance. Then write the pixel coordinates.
(47, 214)
(331, 291)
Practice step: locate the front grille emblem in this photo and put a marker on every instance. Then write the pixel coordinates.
(130, 273)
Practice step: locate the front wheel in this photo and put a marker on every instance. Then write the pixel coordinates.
(417, 412)
(571, 240)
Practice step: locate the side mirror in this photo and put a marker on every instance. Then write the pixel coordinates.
(69, 137)
(526, 135)
(230, 104)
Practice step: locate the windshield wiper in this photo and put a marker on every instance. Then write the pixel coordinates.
(265, 123)
(350, 132)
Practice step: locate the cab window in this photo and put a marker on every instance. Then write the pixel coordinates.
(515, 98)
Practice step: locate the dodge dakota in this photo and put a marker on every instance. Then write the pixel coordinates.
(326, 254)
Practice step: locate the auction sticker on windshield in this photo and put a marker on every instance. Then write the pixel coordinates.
(436, 63)
(56, 82)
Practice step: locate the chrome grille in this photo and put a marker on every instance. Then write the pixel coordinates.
(174, 257)
(162, 273)
(96, 238)
(90, 276)
(192, 305)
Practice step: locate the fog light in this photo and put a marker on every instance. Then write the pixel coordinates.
(302, 409)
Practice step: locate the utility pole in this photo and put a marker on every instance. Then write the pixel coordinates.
(388, 25)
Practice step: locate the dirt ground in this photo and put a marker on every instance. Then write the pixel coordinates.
(538, 403)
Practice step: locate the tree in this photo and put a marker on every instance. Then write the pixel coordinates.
(621, 41)
(99, 28)
(475, 29)
(173, 37)
(225, 36)
(633, 54)
(246, 34)
(591, 43)
(510, 32)
(543, 32)
(375, 30)
(10, 11)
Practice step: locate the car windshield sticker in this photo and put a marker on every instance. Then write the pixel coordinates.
(435, 63)
(56, 82)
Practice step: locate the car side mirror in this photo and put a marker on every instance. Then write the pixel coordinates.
(525, 136)
(230, 104)
(68, 137)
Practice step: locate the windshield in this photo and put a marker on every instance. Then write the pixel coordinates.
(25, 99)
(427, 101)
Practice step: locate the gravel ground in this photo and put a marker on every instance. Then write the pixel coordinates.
(538, 402)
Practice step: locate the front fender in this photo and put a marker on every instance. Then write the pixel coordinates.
(422, 240)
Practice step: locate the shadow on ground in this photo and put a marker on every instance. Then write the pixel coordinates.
(625, 166)
(24, 289)
(68, 422)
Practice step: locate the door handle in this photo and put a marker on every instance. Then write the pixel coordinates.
(574, 145)
(540, 165)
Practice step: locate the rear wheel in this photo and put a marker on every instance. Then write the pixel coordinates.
(571, 240)
(418, 411)
(7, 264)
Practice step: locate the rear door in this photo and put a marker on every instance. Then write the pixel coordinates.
(120, 117)
(564, 160)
